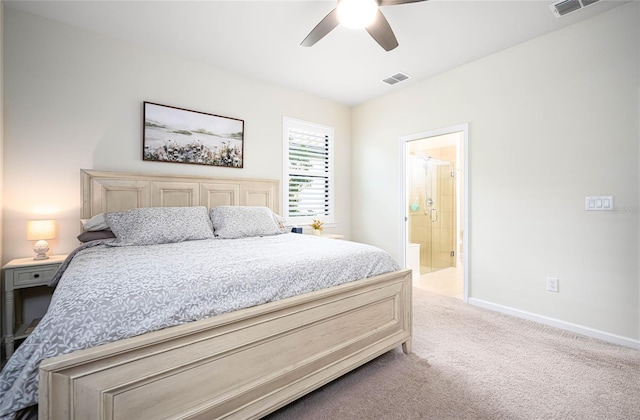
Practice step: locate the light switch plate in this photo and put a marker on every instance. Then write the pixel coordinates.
(599, 203)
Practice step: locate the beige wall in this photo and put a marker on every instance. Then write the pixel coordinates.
(74, 100)
(551, 121)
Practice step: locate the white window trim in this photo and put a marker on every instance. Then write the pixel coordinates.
(288, 123)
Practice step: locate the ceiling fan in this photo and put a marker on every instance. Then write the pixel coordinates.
(358, 14)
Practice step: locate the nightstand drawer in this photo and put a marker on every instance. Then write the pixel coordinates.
(26, 277)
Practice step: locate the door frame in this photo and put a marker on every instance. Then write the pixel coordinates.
(404, 195)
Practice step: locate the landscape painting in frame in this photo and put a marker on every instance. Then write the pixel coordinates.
(182, 136)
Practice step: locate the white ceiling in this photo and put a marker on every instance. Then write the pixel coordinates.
(261, 39)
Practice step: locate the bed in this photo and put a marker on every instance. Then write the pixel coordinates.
(240, 363)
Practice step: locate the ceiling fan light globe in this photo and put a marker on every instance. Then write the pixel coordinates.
(357, 14)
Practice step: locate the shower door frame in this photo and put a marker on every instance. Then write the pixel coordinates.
(464, 164)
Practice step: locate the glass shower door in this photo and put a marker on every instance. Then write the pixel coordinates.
(432, 215)
(441, 216)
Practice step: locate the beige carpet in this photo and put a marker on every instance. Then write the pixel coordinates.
(471, 363)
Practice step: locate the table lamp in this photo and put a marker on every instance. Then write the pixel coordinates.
(40, 230)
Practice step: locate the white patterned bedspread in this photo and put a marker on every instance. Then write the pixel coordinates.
(110, 293)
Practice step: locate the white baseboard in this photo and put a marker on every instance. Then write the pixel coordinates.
(563, 325)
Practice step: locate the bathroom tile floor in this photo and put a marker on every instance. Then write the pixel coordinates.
(448, 282)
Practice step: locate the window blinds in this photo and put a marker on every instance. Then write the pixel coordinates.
(309, 172)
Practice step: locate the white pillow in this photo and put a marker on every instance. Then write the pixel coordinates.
(159, 225)
(94, 224)
(231, 222)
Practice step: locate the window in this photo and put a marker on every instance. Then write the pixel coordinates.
(308, 171)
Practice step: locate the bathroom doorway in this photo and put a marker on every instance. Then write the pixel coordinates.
(434, 203)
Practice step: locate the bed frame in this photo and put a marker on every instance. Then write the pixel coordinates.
(243, 364)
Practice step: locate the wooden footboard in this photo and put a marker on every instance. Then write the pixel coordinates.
(244, 364)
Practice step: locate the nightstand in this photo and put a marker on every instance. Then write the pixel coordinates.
(21, 274)
(331, 236)
(327, 235)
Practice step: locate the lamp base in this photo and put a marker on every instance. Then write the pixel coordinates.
(41, 248)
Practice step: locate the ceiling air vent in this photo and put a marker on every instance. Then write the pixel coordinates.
(564, 7)
(398, 77)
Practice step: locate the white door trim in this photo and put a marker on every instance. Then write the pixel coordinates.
(404, 140)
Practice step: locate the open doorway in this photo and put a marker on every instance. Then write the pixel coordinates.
(434, 205)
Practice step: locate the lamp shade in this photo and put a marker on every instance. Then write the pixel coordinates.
(41, 229)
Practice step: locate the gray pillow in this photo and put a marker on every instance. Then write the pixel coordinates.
(230, 222)
(94, 235)
(159, 225)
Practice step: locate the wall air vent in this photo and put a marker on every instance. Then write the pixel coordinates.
(564, 7)
(398, 77)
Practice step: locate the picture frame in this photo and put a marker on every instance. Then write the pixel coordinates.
(178, 135)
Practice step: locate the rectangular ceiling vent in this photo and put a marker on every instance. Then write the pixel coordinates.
(564, 7)
(398, 77)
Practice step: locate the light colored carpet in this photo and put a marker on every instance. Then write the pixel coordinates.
(471, 363)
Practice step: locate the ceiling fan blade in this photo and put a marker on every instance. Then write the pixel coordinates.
(394, 2)
(325, 26)
(380, 30)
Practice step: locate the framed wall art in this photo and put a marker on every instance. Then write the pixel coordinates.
(179, 135)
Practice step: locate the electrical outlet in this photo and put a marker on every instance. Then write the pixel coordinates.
(553, 284)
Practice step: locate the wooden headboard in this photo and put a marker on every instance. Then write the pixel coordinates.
(104, 192)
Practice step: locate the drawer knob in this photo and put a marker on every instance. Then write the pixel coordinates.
(35, 276)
